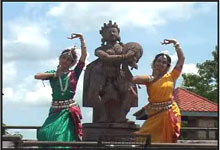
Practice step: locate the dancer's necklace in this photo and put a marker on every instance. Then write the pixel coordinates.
(66, 84)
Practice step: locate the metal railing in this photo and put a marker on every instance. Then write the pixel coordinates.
(183, 129)
(111, 144)
(33, 144)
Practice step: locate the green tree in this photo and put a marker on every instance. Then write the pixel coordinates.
(206, 82)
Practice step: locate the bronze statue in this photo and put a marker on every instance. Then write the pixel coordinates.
(107, 79)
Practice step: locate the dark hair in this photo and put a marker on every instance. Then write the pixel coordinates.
(162, 54)
(73, 52)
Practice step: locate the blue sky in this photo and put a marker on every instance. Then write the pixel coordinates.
(34, 34)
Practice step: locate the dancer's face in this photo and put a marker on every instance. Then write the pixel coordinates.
(65, 60)
(161, 63)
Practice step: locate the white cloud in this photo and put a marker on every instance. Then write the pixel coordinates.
(9, 73)
(190, 68)
(24, 96)
(25, 41)
(8, 93)
(140, 14)
(39, 97)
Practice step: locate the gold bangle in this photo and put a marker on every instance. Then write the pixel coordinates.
(177, 44)
(82, 40)
(151, 78)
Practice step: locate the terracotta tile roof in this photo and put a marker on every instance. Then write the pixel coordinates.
(189, 101)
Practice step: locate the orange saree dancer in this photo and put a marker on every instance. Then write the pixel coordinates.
(164, 118)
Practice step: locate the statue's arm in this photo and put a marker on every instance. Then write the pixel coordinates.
(106, 57)
(118, 58)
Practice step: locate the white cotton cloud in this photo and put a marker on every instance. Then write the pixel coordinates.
(140, 14)
(9, 73)
(8, 93)
(39, 97)
(25, 41)
(190, 68)
(23, 95)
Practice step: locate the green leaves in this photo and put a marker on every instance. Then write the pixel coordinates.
(206, 82)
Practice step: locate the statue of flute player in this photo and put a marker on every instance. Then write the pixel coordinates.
(107, 80)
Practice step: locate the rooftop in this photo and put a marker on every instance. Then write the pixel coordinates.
(191, 102)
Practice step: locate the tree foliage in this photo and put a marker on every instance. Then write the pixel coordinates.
(206, 82)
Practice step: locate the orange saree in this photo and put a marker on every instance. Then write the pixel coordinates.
(164, 118)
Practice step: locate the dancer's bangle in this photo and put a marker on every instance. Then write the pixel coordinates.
(82, 39)
(151, 78)
(83, 43)
(83, 46)
(177, 46)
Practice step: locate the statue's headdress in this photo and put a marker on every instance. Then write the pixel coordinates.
(109, 25)
(106, 26)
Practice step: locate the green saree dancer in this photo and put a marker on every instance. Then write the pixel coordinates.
(64, 120)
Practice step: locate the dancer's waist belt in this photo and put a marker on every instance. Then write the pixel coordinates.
(63, 104)
(160, 106)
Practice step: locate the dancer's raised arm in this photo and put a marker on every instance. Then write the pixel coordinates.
(179, 52)
(83, 45)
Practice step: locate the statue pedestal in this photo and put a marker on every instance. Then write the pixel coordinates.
(92, 131)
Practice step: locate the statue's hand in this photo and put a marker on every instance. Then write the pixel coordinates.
(132, 62)
(129, 55)
(132, 92)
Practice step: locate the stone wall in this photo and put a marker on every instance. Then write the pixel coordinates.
(203, 122)
(206, 122)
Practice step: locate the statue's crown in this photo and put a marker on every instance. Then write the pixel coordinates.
(109, 25)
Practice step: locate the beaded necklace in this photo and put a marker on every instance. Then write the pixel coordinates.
(66, 84)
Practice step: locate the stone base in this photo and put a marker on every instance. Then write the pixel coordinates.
(92, 131)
